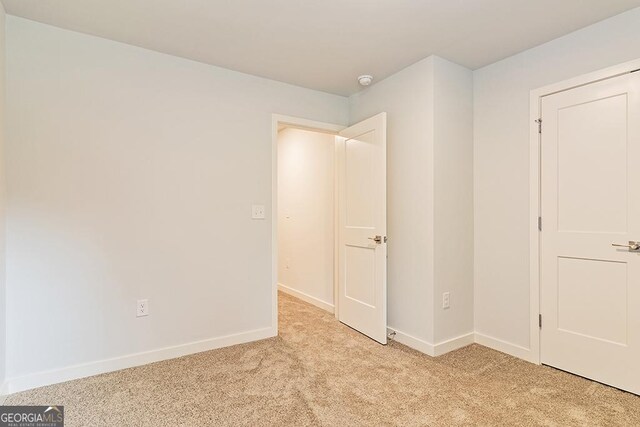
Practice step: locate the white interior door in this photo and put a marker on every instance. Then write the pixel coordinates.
(590, 290)
(362, 229)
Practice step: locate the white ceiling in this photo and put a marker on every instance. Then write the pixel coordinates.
(324, 44)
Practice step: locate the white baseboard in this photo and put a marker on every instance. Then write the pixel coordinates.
(504, 347)
(39, 379)
(306, 298)
(454, 344)
(413, 342)
(444, 347)
(429, 349)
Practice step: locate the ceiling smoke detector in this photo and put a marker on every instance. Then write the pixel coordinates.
(365, 80)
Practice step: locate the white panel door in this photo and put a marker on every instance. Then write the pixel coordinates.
(590, 289)
(362, 251)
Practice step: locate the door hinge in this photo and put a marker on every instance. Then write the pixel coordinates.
(539, 223)
(540, 320)
(539, 122)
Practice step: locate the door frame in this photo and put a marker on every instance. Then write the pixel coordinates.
(535, 172)
(305, 124)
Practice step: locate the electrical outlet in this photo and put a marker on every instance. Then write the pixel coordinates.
(142, 308)
(446, 303)
(257, 212)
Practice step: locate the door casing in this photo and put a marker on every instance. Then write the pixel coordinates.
(535, 168)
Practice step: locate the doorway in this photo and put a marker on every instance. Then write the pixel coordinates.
(307, 215)
(329, 226)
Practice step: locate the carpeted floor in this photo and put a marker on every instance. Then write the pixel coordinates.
(321, 373)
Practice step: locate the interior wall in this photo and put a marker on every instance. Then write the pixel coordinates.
(407, 97)
(429, 108)
(453, 200)
(131, 174)
(501, 161)
(3, 306)
(306, 216)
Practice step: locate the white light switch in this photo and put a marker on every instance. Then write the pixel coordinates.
(257, 211)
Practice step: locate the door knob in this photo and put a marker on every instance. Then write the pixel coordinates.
(633, 246)
(377, 239)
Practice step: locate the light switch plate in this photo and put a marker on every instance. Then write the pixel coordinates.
(257, 211)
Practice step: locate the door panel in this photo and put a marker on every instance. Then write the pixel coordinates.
(360, 275)
(362, 269)
(592, 176)
(600, 313)
(359, 171)
(590, 290)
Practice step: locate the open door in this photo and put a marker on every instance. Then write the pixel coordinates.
(362, 227)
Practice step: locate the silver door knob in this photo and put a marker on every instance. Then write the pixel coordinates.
(377, 239)
(633, 246)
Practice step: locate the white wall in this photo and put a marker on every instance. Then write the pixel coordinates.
(407, 98)
(3, 317)
(306, 232)
(430, 199)
(501, 161)
(131, 174)
(453, 200)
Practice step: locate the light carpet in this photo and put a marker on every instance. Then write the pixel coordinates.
(319, 372)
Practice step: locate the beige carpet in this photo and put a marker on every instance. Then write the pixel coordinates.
(321, 373)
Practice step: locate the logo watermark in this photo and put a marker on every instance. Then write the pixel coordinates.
(31, 416)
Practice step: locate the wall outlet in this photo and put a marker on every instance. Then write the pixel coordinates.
(142, 308)
(257, 212)
(446, 303)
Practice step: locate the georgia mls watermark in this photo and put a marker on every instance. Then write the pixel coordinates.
(31, 416)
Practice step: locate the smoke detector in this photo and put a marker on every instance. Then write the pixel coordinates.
(365, 80)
